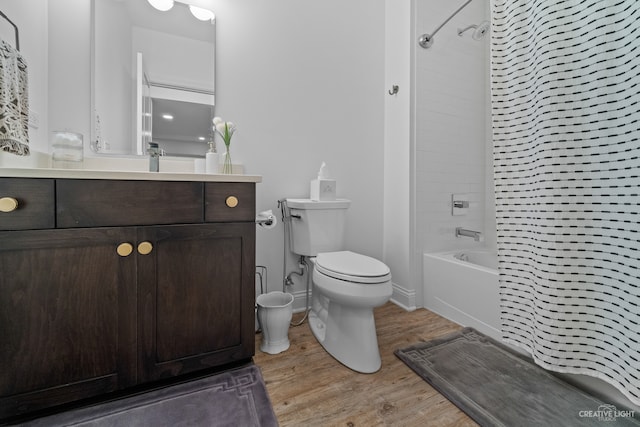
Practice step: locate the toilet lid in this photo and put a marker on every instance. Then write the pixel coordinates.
(353, 267)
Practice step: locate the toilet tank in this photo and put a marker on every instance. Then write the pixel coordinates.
(317, 226)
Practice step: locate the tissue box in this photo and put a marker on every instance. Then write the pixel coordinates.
(323, 189)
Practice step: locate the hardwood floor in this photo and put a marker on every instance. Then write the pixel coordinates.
(308, 387)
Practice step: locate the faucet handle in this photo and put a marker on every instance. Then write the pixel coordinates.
(460, 204)
(153, 149)
(154, 157)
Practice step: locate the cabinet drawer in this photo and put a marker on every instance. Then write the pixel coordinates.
(99, 203)
(35, 203)
(229, 201)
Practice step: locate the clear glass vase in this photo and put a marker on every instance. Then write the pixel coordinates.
(227, 167)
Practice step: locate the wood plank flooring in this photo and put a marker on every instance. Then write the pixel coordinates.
(308, 387)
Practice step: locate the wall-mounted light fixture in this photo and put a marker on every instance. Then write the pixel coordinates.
(162, 5)
(198, 12)
(202, 13)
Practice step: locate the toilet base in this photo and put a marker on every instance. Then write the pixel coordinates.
(349, 335)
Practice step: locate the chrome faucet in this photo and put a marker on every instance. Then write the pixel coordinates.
(154, 157)
(462, 232)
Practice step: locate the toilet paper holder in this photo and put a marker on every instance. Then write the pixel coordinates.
(266, 219)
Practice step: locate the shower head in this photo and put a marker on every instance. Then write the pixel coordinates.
(479, 31)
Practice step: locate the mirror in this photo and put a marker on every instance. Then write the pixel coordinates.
(152, 79)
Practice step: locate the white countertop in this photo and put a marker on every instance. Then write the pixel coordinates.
(124, 175)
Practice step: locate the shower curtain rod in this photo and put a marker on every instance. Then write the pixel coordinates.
(426, 40)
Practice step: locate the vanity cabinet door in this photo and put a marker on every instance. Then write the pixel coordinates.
(67, 316)
(196, 297)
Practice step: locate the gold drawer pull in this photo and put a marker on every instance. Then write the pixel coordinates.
(145, 248)
(124, 249)
(232, 201)
(8, 204)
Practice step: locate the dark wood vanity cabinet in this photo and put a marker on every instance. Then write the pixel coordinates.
(100, 290)
(195, 298)
(67, 317)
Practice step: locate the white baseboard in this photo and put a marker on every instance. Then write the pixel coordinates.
(299, 301)
(405, 298)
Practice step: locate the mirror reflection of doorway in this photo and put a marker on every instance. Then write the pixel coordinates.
(177, 118)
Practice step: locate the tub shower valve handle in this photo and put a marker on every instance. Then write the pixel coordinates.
(460, 204)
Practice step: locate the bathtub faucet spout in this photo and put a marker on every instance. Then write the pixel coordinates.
(461, 232)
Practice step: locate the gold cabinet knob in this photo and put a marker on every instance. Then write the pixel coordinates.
(8, 204)
(145, 248)
(124, 249)
(231, 201)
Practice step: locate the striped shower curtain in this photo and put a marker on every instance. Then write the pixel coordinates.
(565, 95)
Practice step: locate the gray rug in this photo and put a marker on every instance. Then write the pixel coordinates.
(498, 387)
(232, 398)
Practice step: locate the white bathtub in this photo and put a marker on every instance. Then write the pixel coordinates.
(463, 287)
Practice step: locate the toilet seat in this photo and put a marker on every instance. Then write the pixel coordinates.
(352, 267)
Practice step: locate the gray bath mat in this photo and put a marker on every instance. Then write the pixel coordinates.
(233, 398)
(498, 387)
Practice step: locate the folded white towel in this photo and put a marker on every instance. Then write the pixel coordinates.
(14, 101)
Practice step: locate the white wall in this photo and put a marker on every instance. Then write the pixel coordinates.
(451, 111)
(398, 166)
(304, 82)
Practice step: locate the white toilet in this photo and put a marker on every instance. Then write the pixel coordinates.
(346, 285)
